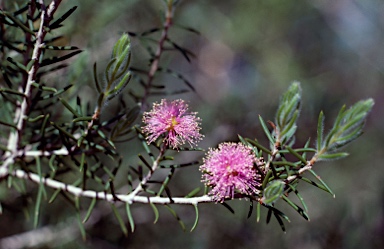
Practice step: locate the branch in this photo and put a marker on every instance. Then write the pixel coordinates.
(155, 63)
(149, 175)
(21, 112)
(54, 184)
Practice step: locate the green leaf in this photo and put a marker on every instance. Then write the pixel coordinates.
(130, 217)
(266, 131)
(57, 23)
(60, 47)
(178, 76)
(298, 209)
(9, 125)
(119, 87)
(69, 107)
(196, 219)
(280, 221)
(332, 156)
(193, 193)
(298, 196)
(120, 220)
(10, 91)
(55, 59)
(258, 211)
(297, 155)
(17, 64)
(273, 192)
(287, 113)
(173, 212)
(250, 209)
(95, 78)
(54, 195)
(322, 182)
(37, 206)
(90, 209)
(155, 211)
(17, 22)
(259, 146)
(79, 221)
(348, 126)
(81, 119)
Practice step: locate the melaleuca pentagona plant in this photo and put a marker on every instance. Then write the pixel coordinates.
(70, 151)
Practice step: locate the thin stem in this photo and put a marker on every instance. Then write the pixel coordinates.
(149, 175)
(155, 63)
(103, 195)
(22, 111)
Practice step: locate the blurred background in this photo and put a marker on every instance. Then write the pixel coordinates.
(247, 54)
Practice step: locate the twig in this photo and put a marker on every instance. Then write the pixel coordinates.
(21, 112)
(155, 63)
(54, 184)
(149, 175)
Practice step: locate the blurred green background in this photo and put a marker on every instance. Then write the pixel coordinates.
(247, 54)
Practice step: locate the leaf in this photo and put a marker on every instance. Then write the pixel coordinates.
(56, 59)
(155, 211)
(193, 193)
(185, 52)
(287, 113)
(90, 209)
(266, 131)
(347, 127)
(332, 156)
(16, 22)
(79, 221)
(95, 78)
(273, 192)
(298, 196)
(9, 125)
(280, 221)
(298, 209)
(322, 182)
(50, 47)
(297, 155)
(258, 211)
(69, 107)
(173, 212)
(196, 219)
(37, 207)
(227, 207)
(60, 91)
(54, 195)
(250, 209)
(57, 23)
(130, 217)
(17, 64)
(320, 129)
(119, 219)
(179, 76)
(40, 193)
(259, 146)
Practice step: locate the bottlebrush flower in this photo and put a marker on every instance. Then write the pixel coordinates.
(174, 122)
(230, 169)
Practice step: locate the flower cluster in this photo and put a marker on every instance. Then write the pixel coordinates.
(173, 121)
(230, 169)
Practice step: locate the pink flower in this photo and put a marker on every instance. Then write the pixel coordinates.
(230, 169)
(174, 122)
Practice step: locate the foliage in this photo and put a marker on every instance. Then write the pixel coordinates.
(70, 148)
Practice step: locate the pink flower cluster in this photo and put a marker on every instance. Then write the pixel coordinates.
(230, 169)
(173, 121)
